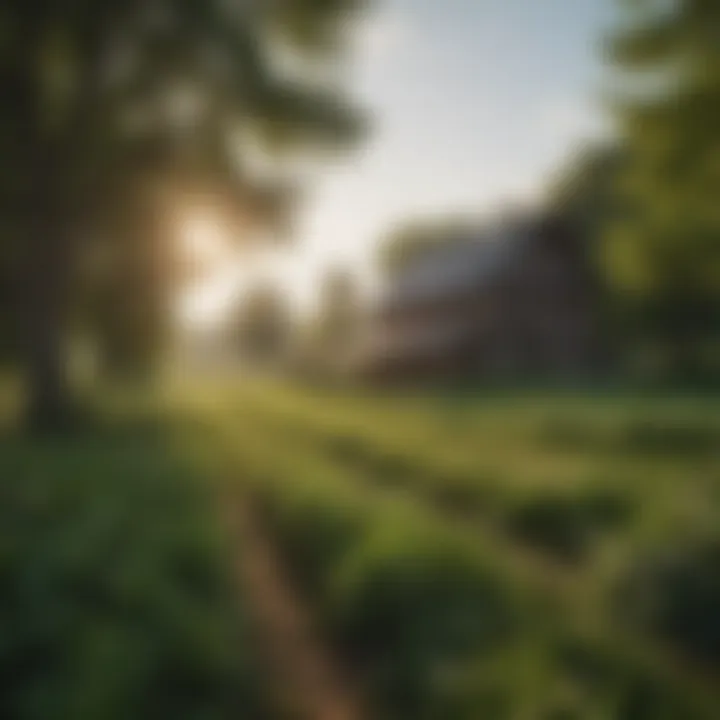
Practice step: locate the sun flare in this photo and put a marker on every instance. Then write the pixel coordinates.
(205, 243)
(208, 254)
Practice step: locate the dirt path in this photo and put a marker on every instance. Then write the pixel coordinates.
(306, 682)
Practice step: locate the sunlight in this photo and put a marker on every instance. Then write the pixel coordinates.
(208, 300)
(208, 304)
(205, 242)
(209, 257)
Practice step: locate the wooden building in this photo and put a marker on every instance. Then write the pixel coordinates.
(514, 301)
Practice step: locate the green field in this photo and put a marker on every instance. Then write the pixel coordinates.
(511, 556)
(116, 597)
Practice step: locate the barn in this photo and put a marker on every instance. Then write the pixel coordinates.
(514, 300)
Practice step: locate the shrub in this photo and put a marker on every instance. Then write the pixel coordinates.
(551, 523)
(315, 528)
(412, 608)
(674, 595)
(670, 438)
(347, 448)
(462, 494)
(114, 602)
(629, 690)
(666, 437)
(567, 525)
(391, 467)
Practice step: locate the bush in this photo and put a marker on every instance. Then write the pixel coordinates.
(674, 595)
(566, 525)
(114, 600)
(666, 437)
(347, 448)
(413, 609)
(315, 529)
(462, 496)
(610, 679)
(671, 438)
(552, 524)
(390, 467)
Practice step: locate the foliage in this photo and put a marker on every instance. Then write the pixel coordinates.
(673, 594)
(9, 345)
(102, 100)
(413, 607)
(334, 331)
(116, 599)
(586, 191)
(566, 526)
(664, 255)
(114, 567)
(414, 240)
(459, 610)
(263, 325)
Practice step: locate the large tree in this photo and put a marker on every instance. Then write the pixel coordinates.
(585, 192)
(666, 256)
(101, 97)
(263, 326)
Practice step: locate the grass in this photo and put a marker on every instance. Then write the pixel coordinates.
(506, 557)
(410, 528)
(115, 594)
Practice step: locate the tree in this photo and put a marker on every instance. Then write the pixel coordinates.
(665, 257)
(100, 95)
(339, 315)
(8, 315)
(413, 240)
(263, 325)
(586, 193)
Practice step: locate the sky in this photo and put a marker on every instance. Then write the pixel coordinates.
(473, 104)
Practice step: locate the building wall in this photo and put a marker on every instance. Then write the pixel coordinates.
(538, 318)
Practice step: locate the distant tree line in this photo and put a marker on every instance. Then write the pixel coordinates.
(266, 333)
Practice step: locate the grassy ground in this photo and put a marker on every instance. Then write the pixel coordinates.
(116, 596)
(544, 557)
(540, 557)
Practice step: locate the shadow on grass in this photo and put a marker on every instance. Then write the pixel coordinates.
(663, 437)
(115, 597)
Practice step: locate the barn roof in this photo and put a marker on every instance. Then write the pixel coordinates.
(462, 264)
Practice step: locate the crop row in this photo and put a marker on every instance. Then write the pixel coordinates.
(437, 623)
(115, 595)
(564, 521)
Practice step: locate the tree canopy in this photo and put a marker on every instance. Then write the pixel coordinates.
(665, 257)
(105, 100)
(412, 240)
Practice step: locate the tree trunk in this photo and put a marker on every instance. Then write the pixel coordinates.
(48, 398)
(48, 267)
(48, 146)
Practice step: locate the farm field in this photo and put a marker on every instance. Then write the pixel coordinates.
(117, 598)
(462, 558)
(543, 557)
